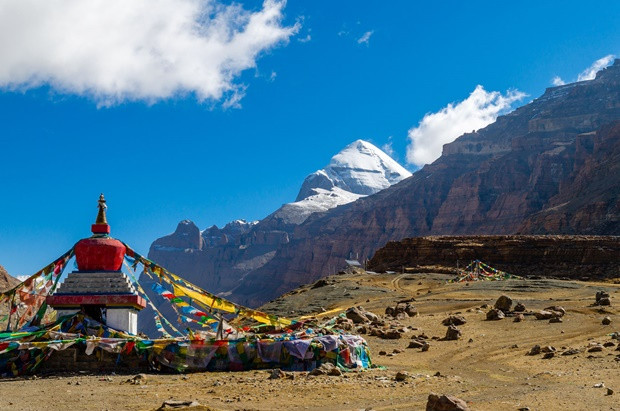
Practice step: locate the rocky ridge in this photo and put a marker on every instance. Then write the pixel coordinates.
(577, 257)
(6, 281)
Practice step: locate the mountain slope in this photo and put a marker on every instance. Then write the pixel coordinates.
(550, 160)
(6, 281)
(218, 259)
(360, 169)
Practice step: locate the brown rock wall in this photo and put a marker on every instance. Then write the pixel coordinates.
(525, 255)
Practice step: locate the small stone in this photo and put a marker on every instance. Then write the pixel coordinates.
(401, 376)
(136, 379)
(609, 344)
(391, 335)
(495, 314)
(544, 315)
(602, 298)
(610, 391)
(518, 318)
(548, 355)
(276, 374)
(426, 346)
(535, 350)
(555, 320)
(596, 348)
(452, 333)
(172, 404)
(559, 311)
(519, 307)
(416, 344)
(599, 385)
(382, 352)
(548, 349)
(326, 369)
(606, 320)
(454, 320)
(571, 351)
(397, 351)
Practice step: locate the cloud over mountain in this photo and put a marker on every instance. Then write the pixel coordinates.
(478, 110)
(114, 51)
(598, 65)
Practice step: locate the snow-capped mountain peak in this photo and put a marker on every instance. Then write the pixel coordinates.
(358, 170)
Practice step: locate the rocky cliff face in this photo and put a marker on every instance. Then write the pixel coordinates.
(550, 166)
(524, 255)
(6, 281)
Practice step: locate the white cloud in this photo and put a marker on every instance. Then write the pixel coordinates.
(557, 81)
(436, 129)
(305, 39)
(598, 65)
(387, 147)
(116, 50)
(365, 37)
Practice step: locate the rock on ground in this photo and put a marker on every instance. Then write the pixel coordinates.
(452, 333)
(445, 403)
(503, 303)
(454, 320)
(495, 314)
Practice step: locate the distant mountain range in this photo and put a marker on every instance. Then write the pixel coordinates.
(220, 258)
(551, 166)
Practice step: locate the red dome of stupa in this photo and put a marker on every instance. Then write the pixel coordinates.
(100, 252)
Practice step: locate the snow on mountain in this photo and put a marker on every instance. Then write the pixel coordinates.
(360, 169)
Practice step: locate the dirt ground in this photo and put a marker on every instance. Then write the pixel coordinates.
(488, 367)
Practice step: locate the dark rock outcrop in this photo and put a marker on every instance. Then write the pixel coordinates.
(555, 256)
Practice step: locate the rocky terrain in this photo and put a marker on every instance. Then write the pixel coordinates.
(580, 257)
(552, 347)
(549, 167)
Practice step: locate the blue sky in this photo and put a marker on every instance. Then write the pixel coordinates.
(329, 73)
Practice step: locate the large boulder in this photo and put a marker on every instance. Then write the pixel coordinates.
(356, 315)
(445, 403)
(503, 303)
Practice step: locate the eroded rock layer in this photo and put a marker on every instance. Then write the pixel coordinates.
(577, 257)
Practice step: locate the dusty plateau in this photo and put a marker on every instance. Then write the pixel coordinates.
(487, 366)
